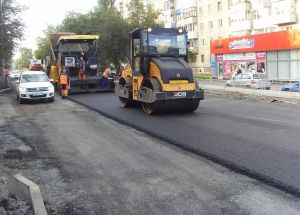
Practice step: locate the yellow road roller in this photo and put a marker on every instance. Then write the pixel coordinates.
(158, 75)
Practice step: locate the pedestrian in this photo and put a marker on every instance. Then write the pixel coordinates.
(64, 83)
(105, 76)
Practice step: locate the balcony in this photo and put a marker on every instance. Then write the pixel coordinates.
(193, 50)
(192, 35)
(285, 18)
(242, 6)
(241, 26)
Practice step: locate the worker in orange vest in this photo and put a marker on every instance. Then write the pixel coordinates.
(105, 77)
(64, 83)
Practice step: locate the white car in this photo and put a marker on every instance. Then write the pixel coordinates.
(14, 75)
(34, 85)
(250, 80)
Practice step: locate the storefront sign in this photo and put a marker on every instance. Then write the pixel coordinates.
(251, 56)
(241, 44)
(240, 56)
(261, 56)
(219, 57)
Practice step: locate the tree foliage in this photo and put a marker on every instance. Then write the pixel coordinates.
(25, 57)
(141, 15)
(112, 28)
(43, 47)
(11, 29)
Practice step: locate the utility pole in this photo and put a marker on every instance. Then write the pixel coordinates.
(1, 34)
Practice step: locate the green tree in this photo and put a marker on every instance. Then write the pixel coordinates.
(24, 60)
(141, 15)
(11, 29)
(43, 48)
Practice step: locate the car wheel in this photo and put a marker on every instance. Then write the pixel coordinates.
(248, 86)
(21, 101)
(268, 88)
(286, 89)
(51, 100)
(18, 96)
(228, 85)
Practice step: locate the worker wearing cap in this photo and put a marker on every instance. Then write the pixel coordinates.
(64, 83)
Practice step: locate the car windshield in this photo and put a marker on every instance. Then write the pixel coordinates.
(15, 72)
(259, 76)
(34, 78)
(166, 43)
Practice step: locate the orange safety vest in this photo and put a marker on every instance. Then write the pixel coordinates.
(106, 73)
(63, 79)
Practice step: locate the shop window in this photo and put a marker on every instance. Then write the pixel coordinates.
(283, 70)
(295, 70)
(293, 54)
(272, 56)
(272, 70)
(283, 55)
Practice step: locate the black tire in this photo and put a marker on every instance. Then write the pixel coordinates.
(17, 96)
(149, 108)
(51, 100)
(125, 102)
(248, 87)
(21, 101)
(268, 88)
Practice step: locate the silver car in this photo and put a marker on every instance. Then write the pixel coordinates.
(250, 80)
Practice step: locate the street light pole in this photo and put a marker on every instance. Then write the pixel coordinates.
(1, 23)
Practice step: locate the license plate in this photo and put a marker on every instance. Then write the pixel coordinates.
(180, 94)
(38, 94)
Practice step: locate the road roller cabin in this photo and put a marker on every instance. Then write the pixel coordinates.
(158, 75)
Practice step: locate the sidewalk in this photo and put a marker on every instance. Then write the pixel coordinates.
(275, 92)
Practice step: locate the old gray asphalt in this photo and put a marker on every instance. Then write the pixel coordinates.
(258, 138)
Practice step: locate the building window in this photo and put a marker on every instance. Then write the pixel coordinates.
(209, 9)
(201, 26)
(210, 24)
(190, 12)
(200, 11)
(202, 58)
(202, 42)
(229, 4)
(219, 6)
(220, 22)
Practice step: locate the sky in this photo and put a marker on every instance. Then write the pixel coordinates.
(41, 13)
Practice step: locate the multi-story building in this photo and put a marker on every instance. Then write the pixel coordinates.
(259, 40)
(211, 20)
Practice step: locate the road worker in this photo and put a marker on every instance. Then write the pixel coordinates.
(64, 83)
(81, 65)
(105, 77)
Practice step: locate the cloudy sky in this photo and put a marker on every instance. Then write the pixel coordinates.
(39, 13)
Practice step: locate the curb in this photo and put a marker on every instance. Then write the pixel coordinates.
(27, 190)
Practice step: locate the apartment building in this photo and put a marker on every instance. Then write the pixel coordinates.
(264, 37)
(209, 21)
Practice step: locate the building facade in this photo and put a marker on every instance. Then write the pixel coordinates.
(210, 20)
(276, 54)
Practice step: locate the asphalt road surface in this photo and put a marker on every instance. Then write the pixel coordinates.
(259, 139)
(86, 164)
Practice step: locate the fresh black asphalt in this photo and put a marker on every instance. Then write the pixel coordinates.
(259, 139)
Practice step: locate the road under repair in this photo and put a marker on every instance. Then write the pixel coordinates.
(88, 164)
(259, 139)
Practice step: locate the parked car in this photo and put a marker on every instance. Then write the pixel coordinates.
(34, 85)
(291, 87)
(250, 80)
(14, 75)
